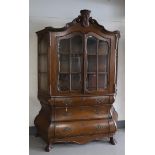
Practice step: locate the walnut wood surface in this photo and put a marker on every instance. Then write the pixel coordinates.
(75, 116)
(81, 113)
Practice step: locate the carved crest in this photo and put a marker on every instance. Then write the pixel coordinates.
(85, 15)
(83, 18)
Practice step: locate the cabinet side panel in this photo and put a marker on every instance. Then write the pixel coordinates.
(43, 63)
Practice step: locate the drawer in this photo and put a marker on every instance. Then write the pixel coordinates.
(82, 101)
(80, 128)
(81, 113)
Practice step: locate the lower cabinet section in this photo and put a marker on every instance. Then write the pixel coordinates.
(78, 131)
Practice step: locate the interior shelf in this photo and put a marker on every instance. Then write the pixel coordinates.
(69, 72)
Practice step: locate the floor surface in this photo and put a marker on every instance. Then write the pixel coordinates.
(93, 148)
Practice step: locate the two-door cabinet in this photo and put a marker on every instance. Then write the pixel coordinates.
(77, 75)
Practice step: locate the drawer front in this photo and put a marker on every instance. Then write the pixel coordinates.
(82, 101)
(81, 113)
(80, 128)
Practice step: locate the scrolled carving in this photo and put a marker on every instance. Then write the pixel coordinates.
(85, 15)
(83, 18)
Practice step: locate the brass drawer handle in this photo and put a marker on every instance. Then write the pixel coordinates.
(66, 129)
(98, 127)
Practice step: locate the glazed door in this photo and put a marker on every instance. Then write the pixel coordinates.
(97, 64)
(70, 62)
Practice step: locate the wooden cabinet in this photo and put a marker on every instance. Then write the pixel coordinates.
(77, 75)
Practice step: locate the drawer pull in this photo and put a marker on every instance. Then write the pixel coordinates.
(67, 129)
(98, 127)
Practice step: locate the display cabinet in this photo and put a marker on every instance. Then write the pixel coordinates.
(77, 76)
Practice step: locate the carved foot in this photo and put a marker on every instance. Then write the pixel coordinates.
(48, 148)
(112, 141)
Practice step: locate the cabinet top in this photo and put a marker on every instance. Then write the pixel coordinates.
(84, 21)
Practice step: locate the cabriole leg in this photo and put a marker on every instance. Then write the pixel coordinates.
(112, 141)
(48, 147)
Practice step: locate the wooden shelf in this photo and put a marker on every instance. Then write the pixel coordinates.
(75, 72)
(64, 73)
(70, 53)
(91, 54)
(98, 72)
(69, 73)
(91, 72)
(64, 53)
(102, 72)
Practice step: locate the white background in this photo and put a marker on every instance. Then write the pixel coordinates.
(110, 13)
(139, 73)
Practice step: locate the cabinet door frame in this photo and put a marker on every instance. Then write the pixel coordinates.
(97, 91)
(70, 91)
(112, 68)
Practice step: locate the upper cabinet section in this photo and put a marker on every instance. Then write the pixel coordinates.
(83, 23)
(77, 59)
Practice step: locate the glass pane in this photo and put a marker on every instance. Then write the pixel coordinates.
(63, 82)
(102, 47)
(76, 45)
(76, 63)
(102, 63)
(102, 81)
(76, 82)
(70, 63)
(43, 47)
(42, 63)
(64, 63)
(91, 45)
(64, 46)
(92, 61)
(43, 80)
(91, 81)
